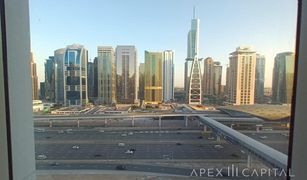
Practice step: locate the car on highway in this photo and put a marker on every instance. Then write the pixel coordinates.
(210, 138)
(39, 130)
(75, 147)
(263, 137)
(121, 167)
(121, 144)
(60, 131)
(54, 164)
(123, 135)
(129, 151)
(41, 157)
(217, 146)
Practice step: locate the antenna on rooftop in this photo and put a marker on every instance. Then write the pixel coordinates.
(194, 12)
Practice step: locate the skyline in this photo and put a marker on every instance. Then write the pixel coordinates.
(274, 31)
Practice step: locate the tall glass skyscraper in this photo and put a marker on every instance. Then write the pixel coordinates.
(168, 75)
(126, 74)
(192, 78)
(283, 76)
(75, 75)
(106, 75)
(153, 78)
(50, 79)
(141, 80)
(59, 75)
(92, 80)
(259, 84)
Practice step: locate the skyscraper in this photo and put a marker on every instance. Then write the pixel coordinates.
(283, 76)
(42, 90)
(91, 81)
(217, 78)
(126, 74)
(106, 75)
(50, 79)
(168, 75)
(33, 77)
(208, 77)
(242, 68)
(141, 81)
(153, 78)
(59, 75)
(192, 65)
(75, 75)
(259, 85)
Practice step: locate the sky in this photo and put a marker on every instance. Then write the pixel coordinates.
(269, 26)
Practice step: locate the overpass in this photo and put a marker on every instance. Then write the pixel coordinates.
(265, 153)
(133, 117)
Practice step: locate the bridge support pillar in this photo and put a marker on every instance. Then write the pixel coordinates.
(218, 138)
(105, 122)
(205, 128)
(132, 121)
(78, 123)
(160, 123)
(186, 118)
(50, 124)
(249, 161)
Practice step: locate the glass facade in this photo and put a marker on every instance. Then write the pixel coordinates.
(75, 75)
(153, 78)
(126, 74)
(106, 75)
(50, 79)
(260, 71)
(283, 75)
(168, 75)
(141, 81)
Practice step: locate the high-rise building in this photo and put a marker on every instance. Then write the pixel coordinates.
(106, 75)
(91, 86)
(33, 77)
(42, 90)
(141, 81)
(259, 84)
(217, 78)
(59, 75)
(50, 79)
(126, 74)
(283, 76)
(242, 68)
(71, 75)
(192, 78)
(168, 75)
(95, 91)
(153, 78)
(208, 77)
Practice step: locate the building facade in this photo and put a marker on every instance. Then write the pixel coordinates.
(217, 79)
(283, 76)
(208, 77)
(75, 75)
(141, 81)
(192, 75)
(42, 90)
(92, 77)
(259, 84)
(168, 75)
(153, 78)
(106, 75)
(33, 77)
(50, 79)
(59, 75)
(126, 74)
(242, 69)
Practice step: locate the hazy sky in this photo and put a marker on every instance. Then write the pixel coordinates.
(267, 25)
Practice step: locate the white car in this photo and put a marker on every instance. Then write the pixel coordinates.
(124, 135)
(210, 138)
(41, 157)
(121, 144)
(263, 137)
(218, 146)
(75, 147)
(129, 152)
